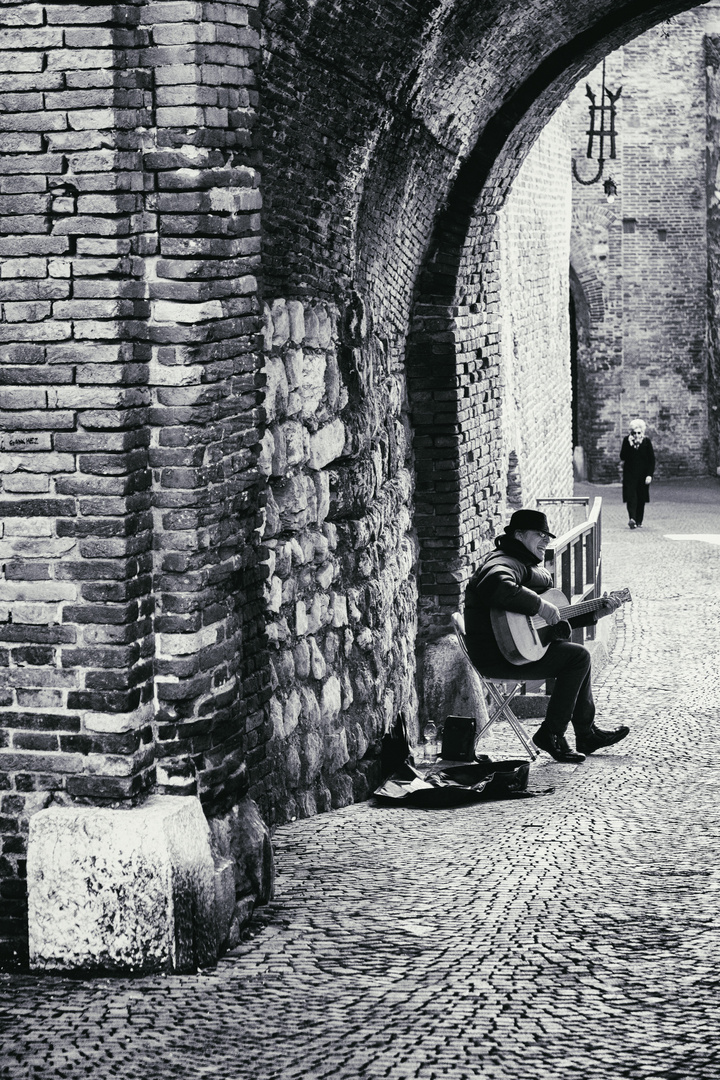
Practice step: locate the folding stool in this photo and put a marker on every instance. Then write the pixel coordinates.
(500, 691)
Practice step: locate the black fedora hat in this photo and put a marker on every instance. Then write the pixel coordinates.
(528, 519)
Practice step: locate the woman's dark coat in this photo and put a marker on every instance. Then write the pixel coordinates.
(638, 462)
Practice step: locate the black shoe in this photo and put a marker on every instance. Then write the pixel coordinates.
(556, 746)
(632, 523)
(590, 741)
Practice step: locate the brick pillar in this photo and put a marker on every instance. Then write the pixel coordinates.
(76, 626)
(206, 389)
(130, 417)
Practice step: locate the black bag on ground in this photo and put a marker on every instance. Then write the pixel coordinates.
(458, 741)
(508, 777)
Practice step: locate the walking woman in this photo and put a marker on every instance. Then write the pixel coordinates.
(638, 463)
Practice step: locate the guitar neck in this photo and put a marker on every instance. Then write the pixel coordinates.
(585, 608)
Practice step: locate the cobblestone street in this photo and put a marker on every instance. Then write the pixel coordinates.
(573, 935)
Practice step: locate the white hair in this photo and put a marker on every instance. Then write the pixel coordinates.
(638, 423)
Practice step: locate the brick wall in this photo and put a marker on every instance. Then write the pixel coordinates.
(534, 250)
(642, 263)
(202, 167)
(77, 544)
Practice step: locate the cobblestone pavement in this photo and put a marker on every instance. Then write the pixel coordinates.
(574, 935)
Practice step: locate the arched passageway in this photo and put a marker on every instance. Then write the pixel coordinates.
(225, 537)
(391, 143)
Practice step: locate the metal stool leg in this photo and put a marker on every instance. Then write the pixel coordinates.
(502, 702)
(500, 698)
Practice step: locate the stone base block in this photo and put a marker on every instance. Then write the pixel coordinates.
(449, 685)
(530, 707)
(122, 890)
(240, 840)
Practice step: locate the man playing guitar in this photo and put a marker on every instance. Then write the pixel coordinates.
(512, 579)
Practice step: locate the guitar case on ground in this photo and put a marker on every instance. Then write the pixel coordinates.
(445, 783)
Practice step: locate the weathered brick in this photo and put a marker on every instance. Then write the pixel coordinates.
(27, 15)
(18, 246)
(25, 376)
(47, 463)
(73, 59)
(48, 331)
(78, 14)
(16, 442)
(36, 420)
(45, 741)
(26, 483)
(39, 508)
(16, 761)
(40, 634)
(28, 312)
(88, 38)
(39, 699)
(103, 788)
(22, 398)
(23, 38)
(108, 701)
(26, 570)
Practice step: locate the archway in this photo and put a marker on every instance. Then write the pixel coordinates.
(391, 139)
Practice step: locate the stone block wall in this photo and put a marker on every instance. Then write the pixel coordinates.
(340, 593)
(712, 57)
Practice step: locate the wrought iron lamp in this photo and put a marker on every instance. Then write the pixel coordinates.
(598, 114)
(610, 188)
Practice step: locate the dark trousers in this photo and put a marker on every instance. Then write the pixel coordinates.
(636, 506)
(569, 665)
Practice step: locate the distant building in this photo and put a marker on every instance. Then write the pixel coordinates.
(643, 319)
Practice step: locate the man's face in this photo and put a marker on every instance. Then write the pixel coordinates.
(534, 541)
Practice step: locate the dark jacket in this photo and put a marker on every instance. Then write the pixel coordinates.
(638, 462)
(511, 578)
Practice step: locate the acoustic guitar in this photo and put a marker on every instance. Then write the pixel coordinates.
(524, 638)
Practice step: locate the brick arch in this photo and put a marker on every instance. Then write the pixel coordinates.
(584, 266)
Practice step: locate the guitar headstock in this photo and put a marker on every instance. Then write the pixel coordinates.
(621, 595)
